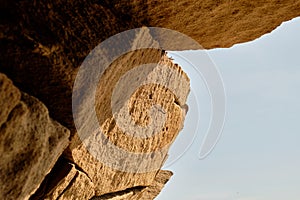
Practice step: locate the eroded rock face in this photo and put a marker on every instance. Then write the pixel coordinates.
(30, 142)
(146, 193)
(107, 169)
(44, 42)
(218, 23)
(126, 145)
(76, 185)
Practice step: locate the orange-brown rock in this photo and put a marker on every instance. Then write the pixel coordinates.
(42, 45)
(75, 185)
(145, 193)
(160, 83)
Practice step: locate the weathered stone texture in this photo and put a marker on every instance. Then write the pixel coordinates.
(42, 45)
(144, 193)
(30, 142)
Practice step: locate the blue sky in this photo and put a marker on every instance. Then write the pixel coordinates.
(258, 155)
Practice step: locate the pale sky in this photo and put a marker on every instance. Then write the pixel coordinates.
(258, 155)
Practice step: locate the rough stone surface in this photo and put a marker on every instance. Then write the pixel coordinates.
(30, 142)
(65, 181)
(153, 190)
(80, 187)
(98, 177)
(137, 193)
(220, 23)
(97, 161)
(44, 42)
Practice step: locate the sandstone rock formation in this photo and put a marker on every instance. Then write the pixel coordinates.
(43, 43)
(136, 193)
(30, 142)
(111, 171)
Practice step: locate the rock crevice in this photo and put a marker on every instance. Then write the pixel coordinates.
(42, 46)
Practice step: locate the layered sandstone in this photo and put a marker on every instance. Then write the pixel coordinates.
(43, 44)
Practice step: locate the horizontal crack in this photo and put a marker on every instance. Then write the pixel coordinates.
(119, 193)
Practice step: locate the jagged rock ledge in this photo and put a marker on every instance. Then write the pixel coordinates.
(44, 42)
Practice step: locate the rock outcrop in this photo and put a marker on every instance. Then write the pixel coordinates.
(30, 142)
(103, 167)
(43, 44)
(136, 193)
